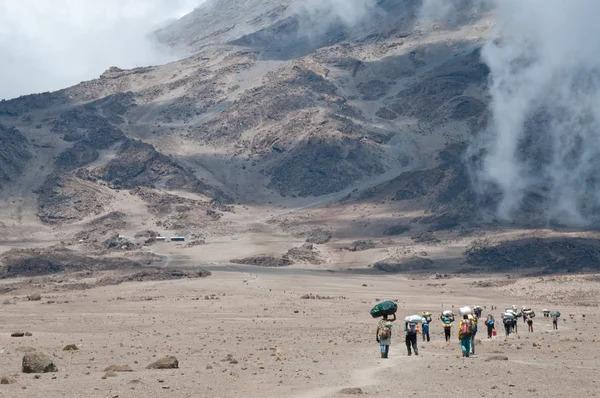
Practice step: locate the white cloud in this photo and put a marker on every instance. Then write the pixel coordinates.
(50, 44)
(545, 132)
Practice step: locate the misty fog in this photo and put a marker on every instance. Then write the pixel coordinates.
(543, 141)
(49, 45)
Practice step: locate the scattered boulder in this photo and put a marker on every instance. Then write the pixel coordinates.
(311, 296)
(38, 362)
(361, 245)
(34, 297)
(164, 363)
(108, 374)
(352, 391)
(118, 368)
(497, 358)
(7, 380)
(319, 236)
(396, 230)
(265, 261)
(17, 334)
(25, 349)
(70, 347)
(404, 265)
(305, 253)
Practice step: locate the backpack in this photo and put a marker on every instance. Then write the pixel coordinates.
(384, 332)
(411, 328)
(466, 327)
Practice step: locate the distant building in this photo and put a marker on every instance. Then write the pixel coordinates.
(161, 238)
(177, 239)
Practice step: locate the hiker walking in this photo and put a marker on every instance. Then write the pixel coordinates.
(555, 321)
(384, 334)
(410, 328)
(465, 331)
(473, 319)
(426, 322)
(529, 321)
(490, 323)
(426, 330)
(447, 318)
(507, 319)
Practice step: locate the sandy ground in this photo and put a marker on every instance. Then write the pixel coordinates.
(258, 338)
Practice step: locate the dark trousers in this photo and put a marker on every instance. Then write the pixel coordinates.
(426, 336)
(385, 350)
(447, 334)
(554, 325)
(411, 341)
(490, 331)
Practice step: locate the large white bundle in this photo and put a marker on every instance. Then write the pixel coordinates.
(466, 310)
(413, 319)
(508, 315)
(511, 311)
(447, 313)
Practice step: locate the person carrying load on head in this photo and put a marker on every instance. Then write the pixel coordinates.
(555, 315)
(513, 315)
(465, 332)
(411, 329)
(528, 315)
(384, 334)
(490, 322)
(529, 321)
(447, 317)
(426, 322)
(508, 320)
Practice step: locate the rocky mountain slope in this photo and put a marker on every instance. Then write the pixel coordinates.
(276, 106)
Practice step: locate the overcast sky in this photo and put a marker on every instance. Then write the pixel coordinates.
(47, 45)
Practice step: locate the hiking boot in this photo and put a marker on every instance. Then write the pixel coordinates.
(416, 352)
(382, 355)
(409, 353)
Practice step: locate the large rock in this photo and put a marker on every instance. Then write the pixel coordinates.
(7, 380)
(164, 363)
(118, 368)
(38, 362)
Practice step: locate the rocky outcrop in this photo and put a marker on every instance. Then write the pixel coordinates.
(14, 154)
(38, 362)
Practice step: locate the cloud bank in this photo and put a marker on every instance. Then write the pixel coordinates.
(49, 45)
(542, 149)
